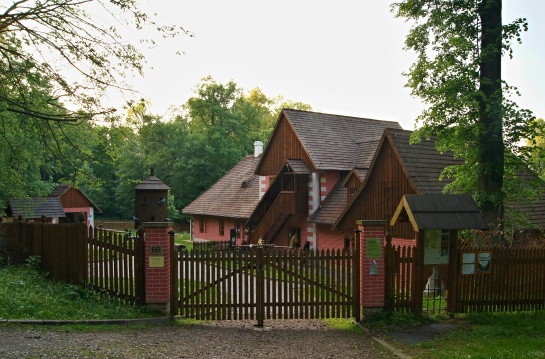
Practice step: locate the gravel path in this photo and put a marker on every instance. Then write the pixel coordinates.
(222, 339)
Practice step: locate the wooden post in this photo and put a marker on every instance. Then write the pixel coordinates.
(173, 275)
(260, 287)
(356, 307)
(139, 267)
(453, 270)
(389, 291)
(418, 287)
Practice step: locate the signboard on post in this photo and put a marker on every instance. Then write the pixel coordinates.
(436, 246)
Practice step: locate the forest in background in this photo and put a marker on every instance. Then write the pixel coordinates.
(190, 148)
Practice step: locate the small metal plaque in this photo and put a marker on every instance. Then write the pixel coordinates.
(156, 251)
(156, 262)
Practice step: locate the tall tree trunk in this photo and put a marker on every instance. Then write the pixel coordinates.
(490, 146)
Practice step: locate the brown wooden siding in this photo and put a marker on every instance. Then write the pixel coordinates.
(384, 189)
(283, 145)
(74, 199)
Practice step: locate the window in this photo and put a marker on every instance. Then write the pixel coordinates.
(222, 227)
(201, 224)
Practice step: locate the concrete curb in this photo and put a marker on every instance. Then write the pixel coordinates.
(119, 322)
(384, 344)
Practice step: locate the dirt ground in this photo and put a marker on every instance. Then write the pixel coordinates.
(222, 339)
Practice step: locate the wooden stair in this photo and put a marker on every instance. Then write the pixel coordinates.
(276, 227)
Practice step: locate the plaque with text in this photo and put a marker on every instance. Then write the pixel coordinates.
(373, 247)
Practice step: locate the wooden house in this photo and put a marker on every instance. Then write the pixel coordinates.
(75, 201)
(317, 161)
(400, 168)
(226, 206)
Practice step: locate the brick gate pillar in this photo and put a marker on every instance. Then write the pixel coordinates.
(157, 264)
(372, 264)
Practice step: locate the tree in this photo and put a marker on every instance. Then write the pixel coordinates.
(77, 45)
(457, 74)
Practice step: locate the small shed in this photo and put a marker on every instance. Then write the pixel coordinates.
(74, 201)
(33, 208)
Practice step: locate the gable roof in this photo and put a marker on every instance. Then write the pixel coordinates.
(63, 188)
(440, 211)
(235, 195)
(333, 142)
(35, 207)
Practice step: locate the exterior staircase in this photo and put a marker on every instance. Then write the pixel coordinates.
(276, 227)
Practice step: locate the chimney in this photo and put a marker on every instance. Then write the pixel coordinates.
(258, 148)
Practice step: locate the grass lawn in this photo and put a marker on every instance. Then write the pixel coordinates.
(184, 238)
(27, 294)
(481, 335)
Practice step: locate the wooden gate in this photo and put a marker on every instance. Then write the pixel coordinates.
(259, 283)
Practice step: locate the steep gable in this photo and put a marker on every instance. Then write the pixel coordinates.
(73, 198)
(323, 141)
(397, 168)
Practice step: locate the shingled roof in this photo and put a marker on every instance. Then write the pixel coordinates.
(332, 206)
(440, 211)
(422, 161)
(335, 142)
(234, 195)
(35, 207)
(152, 183)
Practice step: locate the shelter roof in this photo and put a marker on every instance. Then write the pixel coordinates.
(235, 195)
(440, 211)
(35, 207)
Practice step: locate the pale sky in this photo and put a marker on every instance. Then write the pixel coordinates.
(344, 57)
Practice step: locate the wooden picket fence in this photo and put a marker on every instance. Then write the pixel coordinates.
(111, 262)
(116, 264)
(60, 247)
(399, 278)
(266, 283)
(514, 281)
